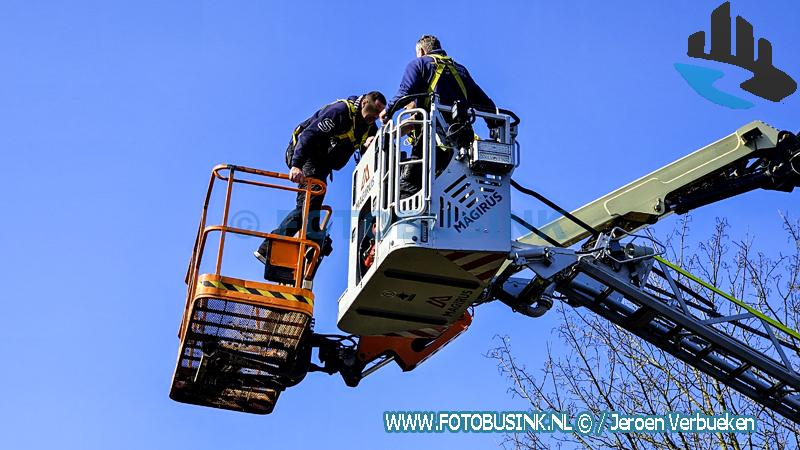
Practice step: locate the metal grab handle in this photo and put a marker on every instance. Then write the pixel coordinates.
(508, 112)
(423, 161)
(386, 174)
(402, 101)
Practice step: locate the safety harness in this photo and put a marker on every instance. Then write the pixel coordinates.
(352, 108)
(442, 63)
(350, 134)
(445, 62)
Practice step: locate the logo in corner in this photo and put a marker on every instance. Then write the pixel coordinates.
(767, 82)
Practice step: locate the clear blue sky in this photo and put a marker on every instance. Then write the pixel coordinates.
(113, 113)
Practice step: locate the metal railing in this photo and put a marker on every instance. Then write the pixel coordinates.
(423, 124)
(391, 165)
(227, 174)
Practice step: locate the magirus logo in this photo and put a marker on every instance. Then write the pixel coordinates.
(767, 82)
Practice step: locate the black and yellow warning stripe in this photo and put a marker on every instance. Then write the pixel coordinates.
(254, 291)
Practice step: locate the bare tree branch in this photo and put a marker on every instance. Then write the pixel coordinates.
(597, 366)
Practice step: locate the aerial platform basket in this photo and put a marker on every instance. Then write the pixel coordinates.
(243, 342)
(433, 251)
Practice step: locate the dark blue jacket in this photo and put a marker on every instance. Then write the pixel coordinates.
(316, 136)
(418, 75)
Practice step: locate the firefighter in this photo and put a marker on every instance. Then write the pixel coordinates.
(432, 71)
(319, 145)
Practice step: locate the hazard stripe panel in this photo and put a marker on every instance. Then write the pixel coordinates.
(480, 264)
(254, 291)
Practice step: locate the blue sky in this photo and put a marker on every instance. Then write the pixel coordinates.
(113, 113)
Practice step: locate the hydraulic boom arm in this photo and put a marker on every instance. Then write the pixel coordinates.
(754, 156)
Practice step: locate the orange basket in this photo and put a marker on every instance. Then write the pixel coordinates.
(243, 342)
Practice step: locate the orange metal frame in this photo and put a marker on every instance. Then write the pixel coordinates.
(227, 173)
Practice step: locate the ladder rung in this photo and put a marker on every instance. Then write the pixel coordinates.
(739, 370)
(673, 332)
(775, 388)
(604, 295)
(705, 351)
(642, 317)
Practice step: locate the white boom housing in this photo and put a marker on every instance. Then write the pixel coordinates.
(435, 250)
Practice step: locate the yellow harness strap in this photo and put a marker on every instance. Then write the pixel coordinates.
(445, 62)
(350, 134)
(296, 133)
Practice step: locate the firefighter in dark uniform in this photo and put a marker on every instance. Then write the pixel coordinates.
(319, 145)
(432, 71)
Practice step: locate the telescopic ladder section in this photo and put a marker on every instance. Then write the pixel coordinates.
(243, 342)
(638, 290)
(673, 310)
